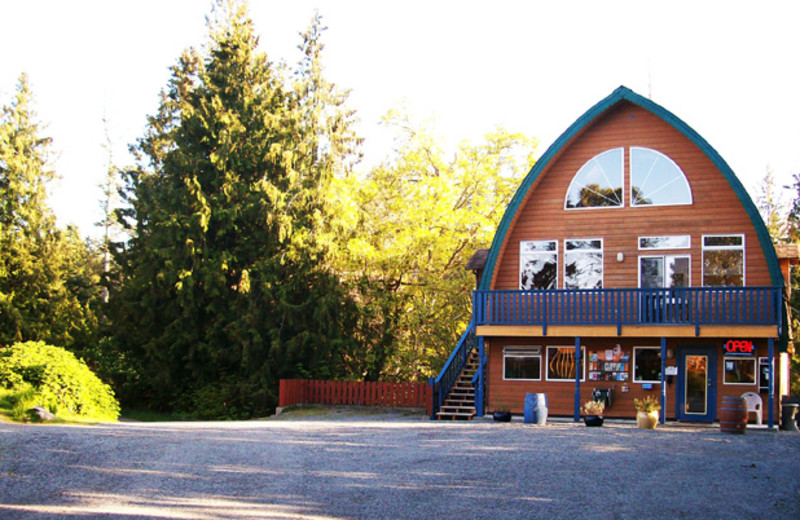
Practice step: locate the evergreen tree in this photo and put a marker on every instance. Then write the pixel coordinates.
(47, 284)
(226, 286)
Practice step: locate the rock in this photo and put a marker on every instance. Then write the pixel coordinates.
(41, 413)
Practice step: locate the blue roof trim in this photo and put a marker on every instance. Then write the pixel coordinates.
(620, 94)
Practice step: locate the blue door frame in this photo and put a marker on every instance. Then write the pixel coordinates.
(681, 409)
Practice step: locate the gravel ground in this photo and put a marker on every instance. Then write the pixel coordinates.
(351, 465)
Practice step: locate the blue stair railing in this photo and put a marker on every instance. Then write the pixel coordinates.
(452, 368)
(479, 381)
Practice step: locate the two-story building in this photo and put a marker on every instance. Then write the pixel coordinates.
(631, 258)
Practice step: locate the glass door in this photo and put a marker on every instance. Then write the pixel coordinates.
(697, 396)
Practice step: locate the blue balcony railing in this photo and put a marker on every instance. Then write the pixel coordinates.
(695, 306)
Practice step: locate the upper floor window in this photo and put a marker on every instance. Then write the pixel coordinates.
(656, 180)
(723, 260)
(583, 264)
(598, 184)
(538, 264)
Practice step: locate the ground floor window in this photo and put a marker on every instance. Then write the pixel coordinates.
(647, 364)
(522, 363)
(740, 371)
(561, 364)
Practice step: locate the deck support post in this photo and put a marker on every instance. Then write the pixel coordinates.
(662, 414)
(771, 400)
(578, 371)
(480, 398)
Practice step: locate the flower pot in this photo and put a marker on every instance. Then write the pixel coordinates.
(502, 416)
(647, 420)
(593, 420)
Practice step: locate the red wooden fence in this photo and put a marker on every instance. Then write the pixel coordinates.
(364, 393)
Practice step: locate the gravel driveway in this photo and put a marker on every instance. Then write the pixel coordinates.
(394, 466)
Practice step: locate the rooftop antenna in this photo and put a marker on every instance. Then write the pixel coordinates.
(649, 80)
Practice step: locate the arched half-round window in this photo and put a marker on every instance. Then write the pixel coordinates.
(598, 184)
(656, 180)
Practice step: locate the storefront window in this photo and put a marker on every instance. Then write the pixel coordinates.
(538, 264)
(739, 371)
(647, 364)
(561, 364)
(522, 363)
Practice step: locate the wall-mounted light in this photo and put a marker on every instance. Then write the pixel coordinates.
(670, 353)
(620, 257)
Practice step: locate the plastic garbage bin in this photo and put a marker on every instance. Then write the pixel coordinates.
(535, 409)
(788, 412)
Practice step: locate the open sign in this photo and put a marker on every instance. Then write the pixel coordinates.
(740, 347)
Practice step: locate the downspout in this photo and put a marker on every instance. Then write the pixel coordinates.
(662, 415)
(578, 371)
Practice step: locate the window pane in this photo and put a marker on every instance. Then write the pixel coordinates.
(646, 364)
(723, 267)
(740, 371)
(723, 241)
(522, 367)
(657, 180)
(538, 272)
(532, 246)
(583, 270)
(665, 242)
(538, 265)
(572, 245)
(677, 271)
(561, 363)
(651, 273)
(598, 183)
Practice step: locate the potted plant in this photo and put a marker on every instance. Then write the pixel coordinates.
(593, 413)
(502, 413)
(647, 412)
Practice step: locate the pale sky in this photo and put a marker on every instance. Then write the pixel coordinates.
(730, 70)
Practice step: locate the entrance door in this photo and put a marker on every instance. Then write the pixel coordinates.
(697, 384)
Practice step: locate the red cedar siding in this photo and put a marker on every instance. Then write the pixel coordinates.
(715, 208)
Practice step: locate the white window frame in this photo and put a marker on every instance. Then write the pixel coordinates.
(678, 168)
(522, 255)
(633, 366)
(687, 237)
(752, 359)
(602, 258)
(621, 149)
(639, 267)
(703, 248)
(522, 351)
(547, 362)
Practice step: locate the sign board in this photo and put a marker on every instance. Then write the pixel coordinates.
(672, 371)
(736, 347)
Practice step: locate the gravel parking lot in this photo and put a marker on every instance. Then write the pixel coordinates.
(350, 465)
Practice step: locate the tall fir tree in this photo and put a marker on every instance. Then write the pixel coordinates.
(47, 280)
(226, 286)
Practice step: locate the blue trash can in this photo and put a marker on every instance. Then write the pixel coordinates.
(535, 409)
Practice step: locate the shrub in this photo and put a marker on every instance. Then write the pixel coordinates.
(48, 376)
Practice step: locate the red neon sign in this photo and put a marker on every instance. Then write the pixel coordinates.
(745, 347)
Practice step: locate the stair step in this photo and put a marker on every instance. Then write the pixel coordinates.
(455, 416)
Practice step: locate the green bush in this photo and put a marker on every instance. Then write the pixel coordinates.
(48, 376)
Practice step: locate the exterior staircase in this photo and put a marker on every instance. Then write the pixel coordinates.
(460, 402)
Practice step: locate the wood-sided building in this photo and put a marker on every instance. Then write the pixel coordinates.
(631, 258)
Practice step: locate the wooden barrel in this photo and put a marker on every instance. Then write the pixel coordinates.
(733, 415)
